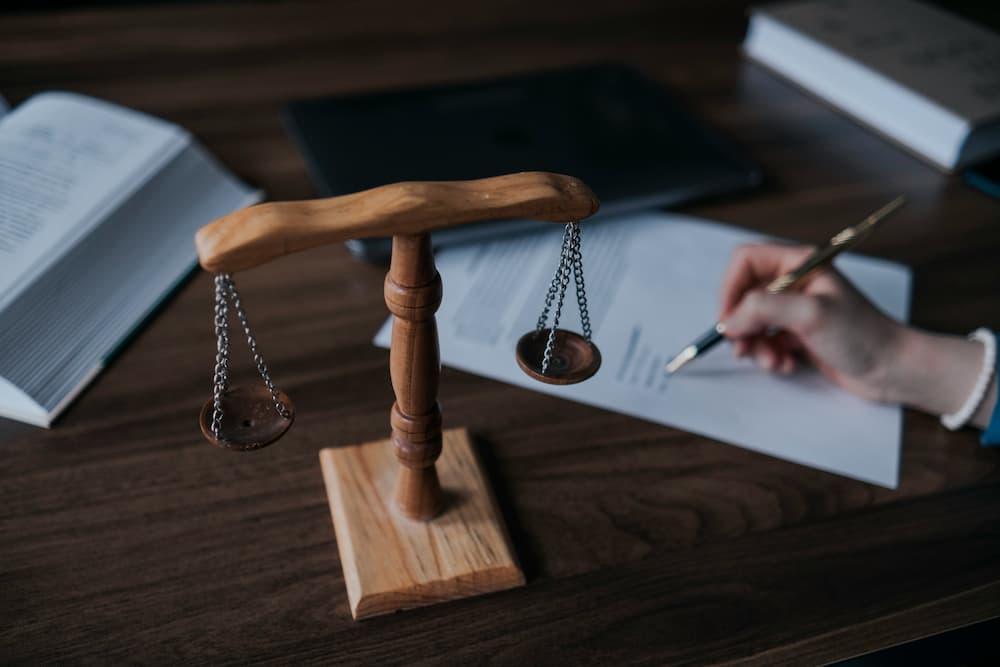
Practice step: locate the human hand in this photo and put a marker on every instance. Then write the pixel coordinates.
(827, 323)
(831, 325)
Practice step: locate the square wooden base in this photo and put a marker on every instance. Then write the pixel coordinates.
(392, 563)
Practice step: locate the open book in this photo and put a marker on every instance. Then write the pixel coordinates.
(98, 209)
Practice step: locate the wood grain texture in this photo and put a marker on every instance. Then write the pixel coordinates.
(257, 234)
(413, 294)
(125, 538)
(391, 562)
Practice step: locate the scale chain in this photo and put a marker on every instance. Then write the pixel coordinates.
(563, 274)
(225, 291)
(570, 262)
(221, 378)
(581, 290)
(554, 285)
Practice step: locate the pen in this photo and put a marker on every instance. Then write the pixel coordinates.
(821, 258)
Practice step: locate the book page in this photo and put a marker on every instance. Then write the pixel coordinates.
(58, 334)
(653, 284)
(65, 162)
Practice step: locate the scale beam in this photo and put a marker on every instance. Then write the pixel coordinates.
(258, 234)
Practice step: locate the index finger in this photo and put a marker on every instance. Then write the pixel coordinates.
(753, 266)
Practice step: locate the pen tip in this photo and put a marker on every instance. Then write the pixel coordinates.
(686, 355)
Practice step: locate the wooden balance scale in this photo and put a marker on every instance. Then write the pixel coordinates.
(415, 518)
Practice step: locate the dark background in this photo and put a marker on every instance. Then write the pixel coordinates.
(986, 12)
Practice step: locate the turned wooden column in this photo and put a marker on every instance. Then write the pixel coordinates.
(413, 294)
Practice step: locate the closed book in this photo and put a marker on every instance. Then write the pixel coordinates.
(922, 77)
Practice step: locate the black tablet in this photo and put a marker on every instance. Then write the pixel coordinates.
(619, 132)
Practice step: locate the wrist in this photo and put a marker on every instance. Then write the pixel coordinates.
(931, 372)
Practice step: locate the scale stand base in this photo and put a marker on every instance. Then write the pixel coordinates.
(391, 562)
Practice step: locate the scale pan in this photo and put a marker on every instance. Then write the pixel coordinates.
(574, 358)
(249, 418)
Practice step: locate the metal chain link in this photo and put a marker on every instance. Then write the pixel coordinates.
(554, 285)
(221, 378)
(570, 261)
(562, 274)
(581, 289)
(225, 291)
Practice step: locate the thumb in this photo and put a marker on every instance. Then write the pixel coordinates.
(760, 311)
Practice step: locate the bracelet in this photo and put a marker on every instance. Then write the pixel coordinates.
(960, 417)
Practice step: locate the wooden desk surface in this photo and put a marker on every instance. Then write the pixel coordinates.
(124, 537)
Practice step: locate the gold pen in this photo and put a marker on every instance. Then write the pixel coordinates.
(822, 257)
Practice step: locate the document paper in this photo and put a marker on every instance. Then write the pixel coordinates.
(653, 283)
